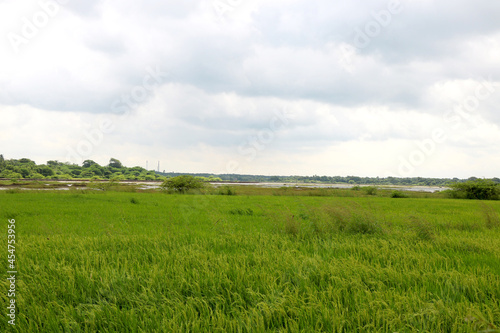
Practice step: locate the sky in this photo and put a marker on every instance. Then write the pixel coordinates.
(407, 88)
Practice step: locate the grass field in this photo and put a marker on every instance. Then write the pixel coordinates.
(106, 261)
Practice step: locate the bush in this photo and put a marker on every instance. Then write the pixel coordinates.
(95, 184)
(226, 190)
(398, 194)
(370, 190)
(481, 189)
(182, 184)
(10, 174)
(37, 176)
(454, 194)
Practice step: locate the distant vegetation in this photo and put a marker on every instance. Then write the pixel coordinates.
(25, 168)
(414, 181)
(481, 189)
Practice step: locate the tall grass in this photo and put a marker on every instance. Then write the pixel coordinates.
(96, 262)
(491, 217)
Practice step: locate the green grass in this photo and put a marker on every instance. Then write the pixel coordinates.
(105, 261)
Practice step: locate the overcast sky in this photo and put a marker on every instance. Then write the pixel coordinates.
(275, 87)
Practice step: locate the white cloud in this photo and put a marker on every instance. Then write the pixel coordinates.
(356, 110)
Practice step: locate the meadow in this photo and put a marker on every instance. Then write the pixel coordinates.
(277, 260)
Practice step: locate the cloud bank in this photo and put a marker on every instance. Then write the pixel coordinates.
(402, 88)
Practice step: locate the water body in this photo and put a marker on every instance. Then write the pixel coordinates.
(66, 185)
(429, 189)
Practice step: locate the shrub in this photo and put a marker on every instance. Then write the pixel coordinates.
(99, 185)
(370, 190)
(398, 194)
(481, 189)
(454, 194)
(10, 174)
(182, 184)
(226, 190)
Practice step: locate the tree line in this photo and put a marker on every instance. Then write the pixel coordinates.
(354, 180)
(25, 168)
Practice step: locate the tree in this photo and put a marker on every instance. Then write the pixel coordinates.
(87, 174)
(481, 189)
(25, 172)
(114, 163)
(26, 161)
(182, 184)
(45, 171)
(10, 174)
(88, 163)
(52, 164)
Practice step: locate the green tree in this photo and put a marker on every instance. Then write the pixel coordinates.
(97, 169)
(182, 184)
(88, 163)
(114, 163)
(45, 170)
(87, 174)
(474, 188)
(25, 172)
(52, 164)
(26, 161)
(36, 175)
